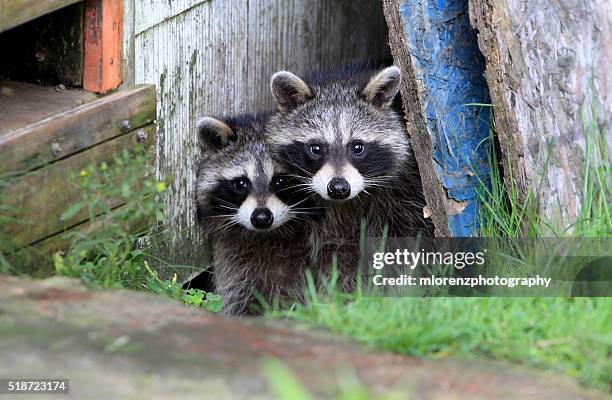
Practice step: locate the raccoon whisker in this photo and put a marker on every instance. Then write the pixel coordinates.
(376, 179)
(224, 227)
(383, 178)
(297, 218)
(228, 208)
(227, 223)
(380, 176)
(307, 208)
(299, 185)
(229, 205)
(303, 200)
(221, 216)
(378, 183)
(283, 189)
(374, 185)
(300, 168)
(297, 176)
(306, 189)
(293, 187)
(382, 184)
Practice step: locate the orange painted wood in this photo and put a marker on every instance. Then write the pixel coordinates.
(103, 45)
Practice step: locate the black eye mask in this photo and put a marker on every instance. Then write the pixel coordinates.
(225, 198)
(375, 160)
(299, 160)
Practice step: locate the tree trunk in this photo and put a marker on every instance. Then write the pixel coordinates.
(548, 71)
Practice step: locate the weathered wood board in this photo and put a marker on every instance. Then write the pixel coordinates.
(39, 159)
(41, 197)
(71, 128)
(103, 45)
(36, 259)
(548, 68)
(17, 12)
(434, 45)
(216, 58)
(23, 104)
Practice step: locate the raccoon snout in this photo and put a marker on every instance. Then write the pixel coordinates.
(338, 189)
(262, 218)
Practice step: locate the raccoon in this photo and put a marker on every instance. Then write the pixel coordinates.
(252, 213)
(349, 146)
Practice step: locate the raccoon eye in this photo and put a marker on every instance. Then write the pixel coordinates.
(279, 181)
(358, 148)
(241, 184)
(316, 149)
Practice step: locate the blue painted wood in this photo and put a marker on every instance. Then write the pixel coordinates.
(450, 69)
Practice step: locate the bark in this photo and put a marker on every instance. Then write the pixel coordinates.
(548, 70)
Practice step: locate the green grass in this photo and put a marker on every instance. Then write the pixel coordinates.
(570, 336)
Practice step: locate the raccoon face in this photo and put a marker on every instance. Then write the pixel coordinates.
(239, 184)
(342, 139)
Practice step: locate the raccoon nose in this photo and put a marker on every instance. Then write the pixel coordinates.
(262, 218)
(338, 189)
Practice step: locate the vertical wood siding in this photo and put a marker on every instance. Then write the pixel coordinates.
(216, 58)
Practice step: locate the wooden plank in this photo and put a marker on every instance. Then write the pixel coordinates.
(17, 12)
(216, 58)
(41, 197)
(436, 48)
(48, 50)
(129, 43)
(548, 66)
(103, 45)
(36, 260)
(23, 104)
(75, 129)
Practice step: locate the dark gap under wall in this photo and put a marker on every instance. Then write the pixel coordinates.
(47, 50)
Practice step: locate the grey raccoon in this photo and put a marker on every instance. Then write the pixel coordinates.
(252, 213)
(351, 148)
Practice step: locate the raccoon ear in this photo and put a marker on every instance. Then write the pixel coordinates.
(289, 91)
(383, 87)
(213, 134)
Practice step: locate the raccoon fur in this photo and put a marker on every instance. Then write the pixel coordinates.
(254, 217)
(350, 147)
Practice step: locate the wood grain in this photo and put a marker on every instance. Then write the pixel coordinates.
(216, 58)
(103, 45)
(444, 87)
(548, 69)
(415, 120)
(24, 104)
(37, 260)
(52, 134)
